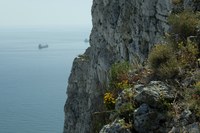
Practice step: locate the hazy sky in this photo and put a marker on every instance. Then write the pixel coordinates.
(50, 13)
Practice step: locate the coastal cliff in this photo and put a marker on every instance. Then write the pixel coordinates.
(122, 30)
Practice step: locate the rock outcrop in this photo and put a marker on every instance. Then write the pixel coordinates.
(151, 114)
(122, 29)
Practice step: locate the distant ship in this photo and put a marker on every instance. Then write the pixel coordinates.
(86, 40)
(40, 46)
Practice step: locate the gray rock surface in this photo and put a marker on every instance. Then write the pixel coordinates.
(121, 30)
(149, 115)
(191, 128)
(192, 5)
(116, 127)
(147, 120)
(153, 92)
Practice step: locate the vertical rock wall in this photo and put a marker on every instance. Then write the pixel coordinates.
(122, 29)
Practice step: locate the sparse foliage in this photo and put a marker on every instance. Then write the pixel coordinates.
(163, 61)
(184, 24)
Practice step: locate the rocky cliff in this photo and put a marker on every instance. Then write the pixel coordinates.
(122, 30)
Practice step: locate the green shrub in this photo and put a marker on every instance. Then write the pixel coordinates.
(119, 71)
(159, 54)
(123, 85)
(165, 104)
(126, 111)
(194, 101)
(197, 88)
(184, 24)
(187, 54)
(163, 61)
(119, 77)
(168, 69)
(194, 106)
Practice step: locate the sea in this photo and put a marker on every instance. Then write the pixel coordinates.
(33, 81)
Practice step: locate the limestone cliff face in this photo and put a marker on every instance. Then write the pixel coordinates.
(122, 29)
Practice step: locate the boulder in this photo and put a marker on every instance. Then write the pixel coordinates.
(118, 126)
(152, 93)
(147, 120)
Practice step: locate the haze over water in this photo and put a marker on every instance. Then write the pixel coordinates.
(33, 82)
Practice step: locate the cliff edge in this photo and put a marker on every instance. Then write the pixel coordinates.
(122, 30)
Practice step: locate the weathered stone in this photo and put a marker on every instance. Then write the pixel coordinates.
(192, 128)
(192, 5)
(147, 120)
(186, 114)
(152, 93)
(116, 127)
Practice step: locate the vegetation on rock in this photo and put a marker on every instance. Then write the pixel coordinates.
(163, 62)
(173, 62)
(109, 101)
(184, 24)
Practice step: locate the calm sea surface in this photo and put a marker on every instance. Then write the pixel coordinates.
(33, 82)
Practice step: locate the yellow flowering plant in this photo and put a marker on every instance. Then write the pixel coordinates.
(109, 101)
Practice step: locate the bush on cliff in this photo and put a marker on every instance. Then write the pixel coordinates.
(193, 99)
(119, 77)
(173, 60)
(119, 71)
(184, 24)
(163, 61)
(187, 54)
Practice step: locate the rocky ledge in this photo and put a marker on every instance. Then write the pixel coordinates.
(151, 114)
